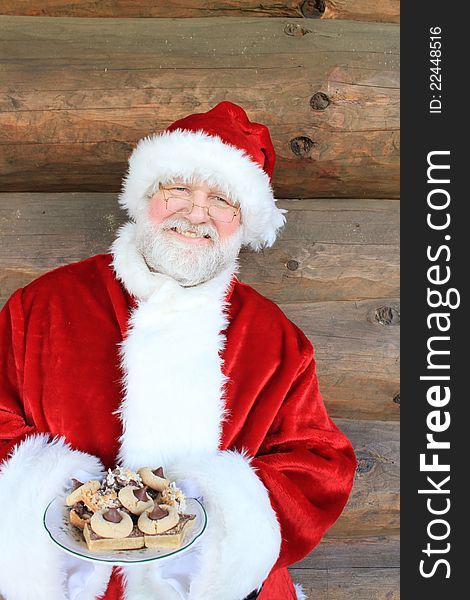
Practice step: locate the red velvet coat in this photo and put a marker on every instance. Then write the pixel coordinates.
(60, 374)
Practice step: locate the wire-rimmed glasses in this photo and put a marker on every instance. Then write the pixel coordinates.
(180, 199)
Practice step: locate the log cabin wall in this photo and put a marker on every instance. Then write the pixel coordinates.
(83, 81)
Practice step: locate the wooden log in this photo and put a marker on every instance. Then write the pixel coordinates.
(357, 352)
(351, 568)
(373, 508)
(349, 584)
(329, 249)
(314, 271)
(362, 10)
(352, 553)
(333, 249)
(76, 95)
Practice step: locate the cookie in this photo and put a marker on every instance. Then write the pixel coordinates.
(111, 523)
(134, 541)
(135, 499)
(158, 519)
(79, 515)
(154, 478)
(173, 496)
(76, 495)
(99, 499)
(173, 538)
(120, 477)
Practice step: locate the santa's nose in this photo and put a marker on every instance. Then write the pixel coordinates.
(199, 212)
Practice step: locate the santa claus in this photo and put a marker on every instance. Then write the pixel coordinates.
(156, 354)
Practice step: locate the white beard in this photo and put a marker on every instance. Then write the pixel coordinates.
(189, 264)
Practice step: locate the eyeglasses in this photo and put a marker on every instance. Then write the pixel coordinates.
(180, 199)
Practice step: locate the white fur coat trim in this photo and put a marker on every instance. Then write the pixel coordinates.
(32, 567)
(173, 401)
(243, 539)
(130, 267)
(187, 155)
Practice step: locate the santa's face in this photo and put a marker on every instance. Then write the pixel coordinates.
(201, 195)
(191, 247)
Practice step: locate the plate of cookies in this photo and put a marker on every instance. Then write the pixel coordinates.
(128, 517)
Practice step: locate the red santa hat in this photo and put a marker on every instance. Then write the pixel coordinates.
(225, 149)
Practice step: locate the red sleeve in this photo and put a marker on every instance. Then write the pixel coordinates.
(307, 464)
(13, 426)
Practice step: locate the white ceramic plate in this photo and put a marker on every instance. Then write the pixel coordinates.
(70, 539)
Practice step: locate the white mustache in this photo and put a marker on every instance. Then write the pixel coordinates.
(200, 229)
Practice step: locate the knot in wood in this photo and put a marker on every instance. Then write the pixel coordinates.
(319, 101)
(292, 265)
(301, 145)
(396, 398)
(365, 463)
(312, 9)
(386, 315)
(295, 30)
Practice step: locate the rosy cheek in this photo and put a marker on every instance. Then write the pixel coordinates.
(157, 212)
(227, 229)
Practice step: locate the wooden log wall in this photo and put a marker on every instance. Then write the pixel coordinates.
(77, 93)
(364, 10)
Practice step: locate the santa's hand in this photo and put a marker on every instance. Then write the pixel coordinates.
(242, 535)
(38, 471)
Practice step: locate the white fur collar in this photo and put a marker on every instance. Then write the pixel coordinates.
(129, 265)
(173, 404)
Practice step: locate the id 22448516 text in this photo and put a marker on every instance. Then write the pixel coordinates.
(435, 75)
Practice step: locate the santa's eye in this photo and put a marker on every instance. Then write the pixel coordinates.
(219, 201)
